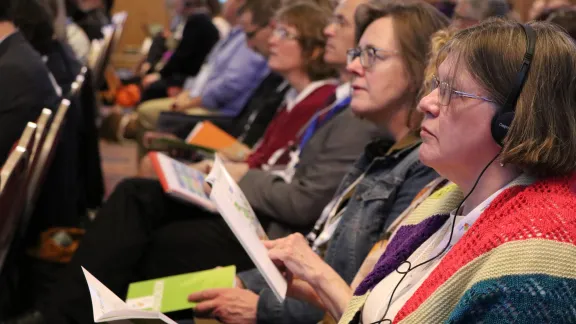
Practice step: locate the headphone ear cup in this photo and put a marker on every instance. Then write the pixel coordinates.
(500, 126)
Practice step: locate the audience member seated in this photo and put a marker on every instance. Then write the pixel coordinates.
(282, 206)
(296, 53)
(397, 172)
(470, 12)
(369, 201)
(223, 86)
(65, 68)
(221, 24)
(25, 81)
(191, 38)
(266, 100)
(90, 15)
(468, 259)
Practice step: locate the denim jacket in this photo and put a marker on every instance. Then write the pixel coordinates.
(391, 182)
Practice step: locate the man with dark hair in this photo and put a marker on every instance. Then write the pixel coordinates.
(24, 80)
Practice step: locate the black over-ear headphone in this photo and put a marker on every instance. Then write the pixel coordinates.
(503, 118)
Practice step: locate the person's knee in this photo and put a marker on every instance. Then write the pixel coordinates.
(149, 111)
(134, 185)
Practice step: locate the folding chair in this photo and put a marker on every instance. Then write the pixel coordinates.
(43, 159)
(13, 181)
(99, 59)
(78, 83)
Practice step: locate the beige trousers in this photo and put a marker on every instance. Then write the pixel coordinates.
(149, 112)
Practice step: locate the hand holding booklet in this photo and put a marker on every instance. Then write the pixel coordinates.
(181, 181)
(107, 307)
(147, 299)
(238, 214)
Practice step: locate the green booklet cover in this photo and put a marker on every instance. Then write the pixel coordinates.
(170, 294)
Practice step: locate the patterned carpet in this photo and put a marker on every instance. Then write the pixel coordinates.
(118, 162)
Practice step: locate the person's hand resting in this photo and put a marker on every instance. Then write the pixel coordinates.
(227, 305)
(237, 170)
(204, 166)
(149, 79)
(184, 101)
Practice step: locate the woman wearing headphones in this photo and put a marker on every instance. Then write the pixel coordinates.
(501, 126)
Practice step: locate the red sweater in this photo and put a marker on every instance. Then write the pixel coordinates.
(284, 128)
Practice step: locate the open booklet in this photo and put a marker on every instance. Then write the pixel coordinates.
(238, 214)
(181, 181)
(107, 307)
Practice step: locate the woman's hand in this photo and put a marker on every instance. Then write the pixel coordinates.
(293, 255)
(204, 166)
(149, 79)
(309, 277)
(237, 170)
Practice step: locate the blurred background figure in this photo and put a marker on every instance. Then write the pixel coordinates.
(470, 12)
(540, 7)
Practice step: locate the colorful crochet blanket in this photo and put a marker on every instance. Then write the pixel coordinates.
(516, 263)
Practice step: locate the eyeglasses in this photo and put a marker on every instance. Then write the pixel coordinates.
(283, 33)
(446, 92)
(367, 55)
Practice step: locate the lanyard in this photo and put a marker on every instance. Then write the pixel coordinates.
(316, 123)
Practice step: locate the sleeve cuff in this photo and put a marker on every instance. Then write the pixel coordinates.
(270, 310)
(208, 101)
(253, 280)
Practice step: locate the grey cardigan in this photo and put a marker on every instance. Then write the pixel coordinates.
(390, 184)
(285, 208)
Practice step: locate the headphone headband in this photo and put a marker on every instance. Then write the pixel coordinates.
(504, 116)
(510, 103)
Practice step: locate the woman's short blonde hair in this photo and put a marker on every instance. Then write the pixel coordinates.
(309, 19)
(542, 138)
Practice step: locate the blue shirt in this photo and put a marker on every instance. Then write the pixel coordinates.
(234, 72)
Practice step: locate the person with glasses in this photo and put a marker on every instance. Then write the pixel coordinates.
(181, 238)
(497, 244)
(387, 78)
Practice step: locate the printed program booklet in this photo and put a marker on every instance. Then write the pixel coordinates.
(238, 214)
(181, 181)
(170, 294)
(107, 307)
(207, 135)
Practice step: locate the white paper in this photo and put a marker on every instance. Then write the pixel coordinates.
(107, 307)
(238, 214)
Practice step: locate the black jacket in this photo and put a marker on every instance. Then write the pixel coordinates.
(25, 89)
(198, 38)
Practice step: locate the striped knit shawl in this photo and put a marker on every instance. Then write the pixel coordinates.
(516, 263)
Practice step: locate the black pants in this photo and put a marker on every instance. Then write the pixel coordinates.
(139, 234)
(155, 90)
